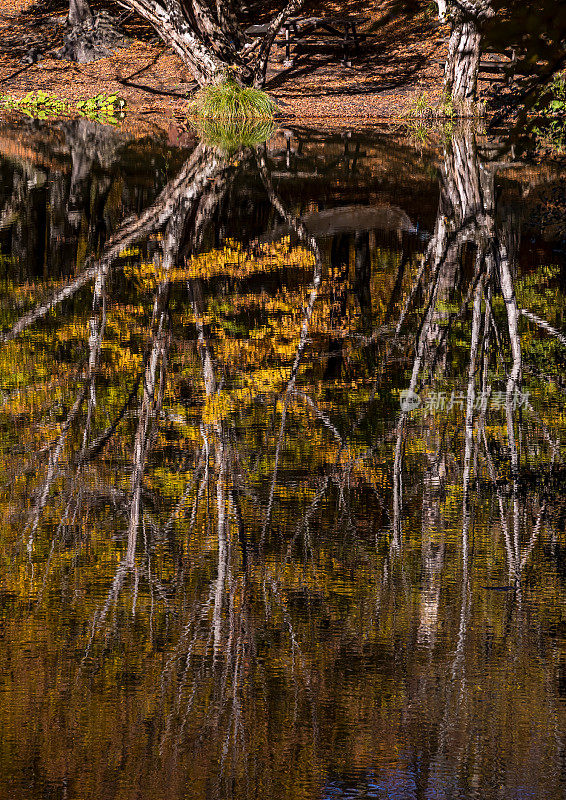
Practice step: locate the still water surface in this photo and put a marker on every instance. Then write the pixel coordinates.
(281, 469)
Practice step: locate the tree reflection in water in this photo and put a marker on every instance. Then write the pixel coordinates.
(236, 564)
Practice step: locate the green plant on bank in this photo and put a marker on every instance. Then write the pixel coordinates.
(39, 105)
(230, 135)
(447, 107)
(104, 108)
(551, 128)
(230, 101)
(427, 116)
(421, 108)
(429, 110)
(42, 105)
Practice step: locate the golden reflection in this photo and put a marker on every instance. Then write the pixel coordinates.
(234, 566)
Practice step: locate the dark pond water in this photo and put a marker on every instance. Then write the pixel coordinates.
(281, 469)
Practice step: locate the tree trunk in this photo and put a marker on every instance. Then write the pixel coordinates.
(461, 77)
(208, 37)
(79, 13)
(468, 18)
(90, 37)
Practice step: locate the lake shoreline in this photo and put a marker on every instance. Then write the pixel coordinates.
(400, 60)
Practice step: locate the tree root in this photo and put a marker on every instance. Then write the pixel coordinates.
(92, 40)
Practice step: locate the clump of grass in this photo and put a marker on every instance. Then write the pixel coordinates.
(230, 101)
(42, 105)
(230, 135)
(442, 116)
(444, 109)
(422, 108)
(425, 117)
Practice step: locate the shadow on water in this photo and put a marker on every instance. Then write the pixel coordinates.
(281, 469)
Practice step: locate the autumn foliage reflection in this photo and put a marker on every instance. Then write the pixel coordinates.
(236, 563)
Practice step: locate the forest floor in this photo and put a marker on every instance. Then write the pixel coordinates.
(399, 61)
